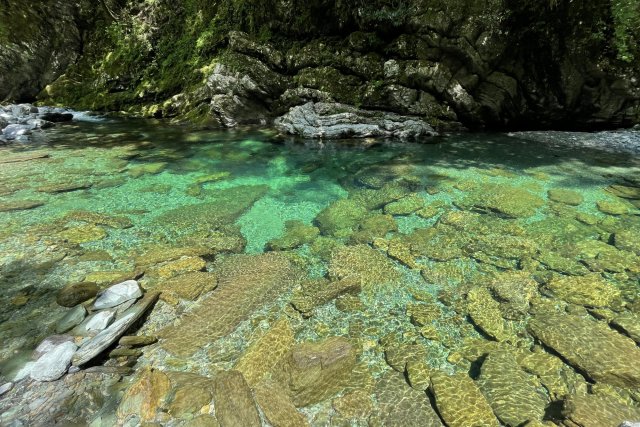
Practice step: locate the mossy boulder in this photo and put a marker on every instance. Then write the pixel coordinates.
(296, 234)
(511, 202)
(341, 217)
(603, 354)
(568, 197)
(590, 290)
(405, 206)
(77, 293)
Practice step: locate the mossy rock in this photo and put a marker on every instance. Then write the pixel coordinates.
(590, 290)
(405, 206)
(83, 234)
(374, 226)
(296, 234)
(460, 402)
(568, 197)
(613, 207)
(375, 271)
(341, 217)
(511, 202)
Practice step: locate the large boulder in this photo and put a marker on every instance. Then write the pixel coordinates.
(339, 121)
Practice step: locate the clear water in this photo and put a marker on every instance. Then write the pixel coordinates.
(471, 212)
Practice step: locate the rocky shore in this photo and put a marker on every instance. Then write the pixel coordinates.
(19, 122)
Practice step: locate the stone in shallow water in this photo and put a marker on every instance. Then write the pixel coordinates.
(104, 339)
(83, 234)
(277, 406)
(72, 295)
(613, 207)
(118, 294)
(188, 286)
(592, 410)
(204, 420)
(628, 240)
(53, 363)
(591, 346)
(509, 201)
(460, 402)
(316, 371)
(485, 313)
(20, 205)
(145, 396)
(316, 293)
(405, 206)
(188, 400)
(295, 235)
(234, 402)
(373, 268)
(118, 222)
(245, 283)
(568, 197)
(402, 406)
(340, 217)
(514, 290)
(591, 290)
(74, 317)
(629, 323)
(510, 391)
(264, 353)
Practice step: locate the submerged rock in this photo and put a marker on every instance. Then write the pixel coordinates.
(590, 290)
(401, 406)
(74, 317)
(511, 393)
(460, 403)
(145, 396)
(75, 294)
(245, 282)
(591, 346)
(339, 121)
(234, 402)
(590, 410)
(568, 197)
(277, 406)
(315, 371)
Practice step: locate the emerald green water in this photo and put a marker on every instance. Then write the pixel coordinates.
(457, 246)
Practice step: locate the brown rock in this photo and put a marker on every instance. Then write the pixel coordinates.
(316, 371)
(277, 406)
(234, 403)
(72, 295)
(145, 396)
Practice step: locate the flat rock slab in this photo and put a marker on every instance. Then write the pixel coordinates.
(401, 405)
(54, 363)
(246, 282)
(234, 402)
(603, 354)
(104, 339)
(118, 294)
(99, 321)
(24, 158)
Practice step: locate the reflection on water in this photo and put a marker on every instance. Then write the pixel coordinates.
(481, 280)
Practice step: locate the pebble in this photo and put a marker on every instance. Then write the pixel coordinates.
(118, 294)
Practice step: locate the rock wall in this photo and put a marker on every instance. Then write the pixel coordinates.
(466, 63)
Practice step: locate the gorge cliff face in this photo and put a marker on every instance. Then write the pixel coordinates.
(496, 64)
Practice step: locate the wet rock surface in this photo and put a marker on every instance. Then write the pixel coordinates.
(339, 121)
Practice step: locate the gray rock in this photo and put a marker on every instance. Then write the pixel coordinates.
(14, 131)
(53, 364)
(104, 339)
(118, 294)
(23, 372)
(49, 344)
(624, 424)
(73, 318)
(99, 321)
(4, 388)
(39, 124)
(57, 117)
(339, 121)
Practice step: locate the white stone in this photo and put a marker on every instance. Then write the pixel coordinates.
(24, 372)
(117, 294)
(99, 321)
(49, 344)
(53, 364)
(5, 388)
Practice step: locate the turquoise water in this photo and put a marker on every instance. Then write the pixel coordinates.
(456, 246)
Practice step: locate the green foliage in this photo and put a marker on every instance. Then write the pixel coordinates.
(626, 18)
